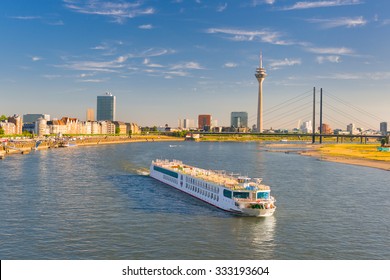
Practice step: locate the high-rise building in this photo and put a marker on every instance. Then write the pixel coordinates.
(306, 127)
(260, 76)
(105, 110)
(186, 123)
(326, 129)
(204, 122)
(32, 118)
(351, 128)
(239, 119)
(90, 115)
(383, 128)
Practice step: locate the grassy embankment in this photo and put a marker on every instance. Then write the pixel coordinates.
(355, 151)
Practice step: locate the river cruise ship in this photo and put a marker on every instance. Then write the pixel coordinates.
(237, 194)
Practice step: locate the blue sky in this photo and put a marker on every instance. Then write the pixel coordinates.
(166, 60)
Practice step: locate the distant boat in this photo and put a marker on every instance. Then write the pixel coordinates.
(66, 145)
(37, 145)
(283, 140)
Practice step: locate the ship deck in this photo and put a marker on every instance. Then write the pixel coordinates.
(212, 176)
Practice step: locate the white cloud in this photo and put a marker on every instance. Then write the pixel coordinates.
(97, 66)
(154, 52)
(145, 26)
(338, 22)
(51, 76)
(119, 12)
(255, 3)
(179, 73)
(266, 36)
(277, 64)
(188, 65)
(26, 17)
(147, 63)
(321, 4)
(358, 76)
(230, 65)
(36, 58)
(92, 80)
(330, 58)
(336, 51)
(221, 7)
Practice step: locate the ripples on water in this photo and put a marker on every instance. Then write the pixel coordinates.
(92, 203)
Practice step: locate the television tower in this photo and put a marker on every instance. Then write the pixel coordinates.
(260, 76)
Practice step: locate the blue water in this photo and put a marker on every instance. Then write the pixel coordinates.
(92, 203)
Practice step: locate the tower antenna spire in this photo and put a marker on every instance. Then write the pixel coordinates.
(261, 59)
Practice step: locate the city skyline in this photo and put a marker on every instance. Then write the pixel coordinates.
(164, 60)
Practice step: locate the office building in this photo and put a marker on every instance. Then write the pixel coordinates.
(383, 128)
(204, 122)
(186, 124)
(239, 119)
(90, 115)
(306, 127)
(32, 118)
(106, 106)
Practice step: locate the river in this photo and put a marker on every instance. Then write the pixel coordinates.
(96, 203)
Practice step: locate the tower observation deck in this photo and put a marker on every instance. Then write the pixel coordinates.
(260, 76)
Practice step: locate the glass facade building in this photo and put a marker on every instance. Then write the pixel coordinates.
(105, 110)
(239, 119)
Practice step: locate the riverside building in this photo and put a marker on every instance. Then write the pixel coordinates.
(106, 107)
(239, 119)
(204, 122)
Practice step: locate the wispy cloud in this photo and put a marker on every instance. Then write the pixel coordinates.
(187, 65)
(277, 64)
(154, 52)
(255, 3)
(329, 58)
(264, 35)
(149, 64)
(230, 65)
(145, 26)
(119, 12)
(222, 7)
(358, 76)
(96, 66)
(26, 17)
(36, 58)
(321, 4)
(50, 20)
(92, 80)
(335, 51)
(339, 22)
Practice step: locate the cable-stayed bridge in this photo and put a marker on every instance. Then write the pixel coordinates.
(319, 114)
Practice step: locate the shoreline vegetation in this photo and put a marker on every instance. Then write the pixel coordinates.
(349, 153)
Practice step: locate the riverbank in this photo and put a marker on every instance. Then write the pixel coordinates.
(356, 154)
(24, 147)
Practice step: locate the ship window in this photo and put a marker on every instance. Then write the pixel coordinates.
(227, 193)
(263, 195)
(241, 194)
(165, 171)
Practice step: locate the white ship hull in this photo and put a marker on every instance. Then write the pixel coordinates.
(205, 191)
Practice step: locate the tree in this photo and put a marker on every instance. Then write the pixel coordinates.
(117, 130)
(3, 118)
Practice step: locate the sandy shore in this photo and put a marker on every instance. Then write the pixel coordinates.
(348, 160)
(355, 154)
